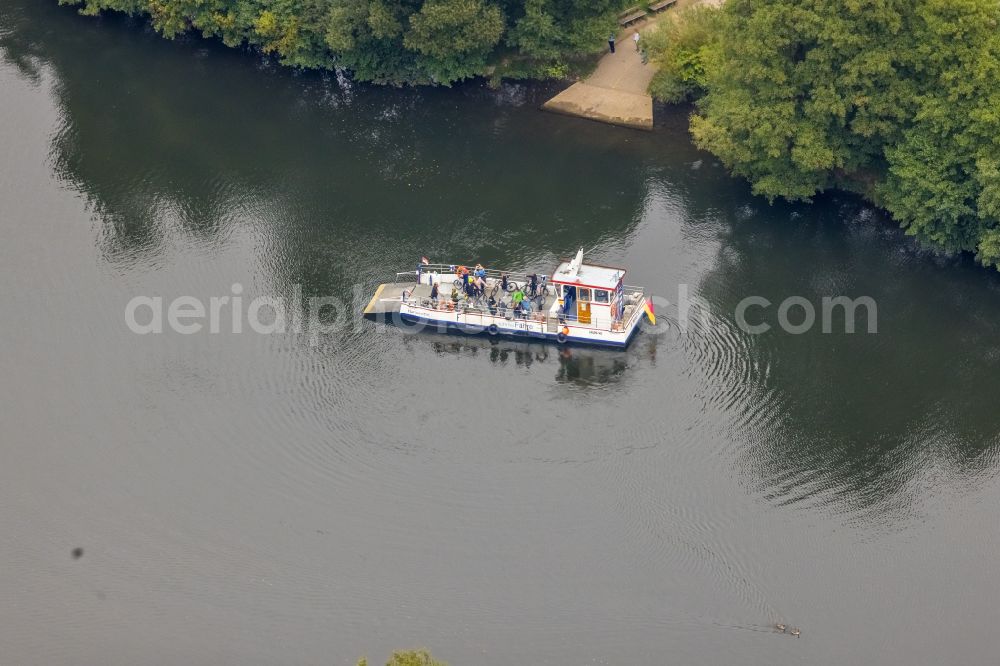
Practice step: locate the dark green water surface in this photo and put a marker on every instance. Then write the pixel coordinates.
(243, 498)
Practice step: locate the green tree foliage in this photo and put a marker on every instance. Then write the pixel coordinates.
(393, 41)
(547, 36)
(943, 181)
(678, 49)
(455, 36)
(902, 94)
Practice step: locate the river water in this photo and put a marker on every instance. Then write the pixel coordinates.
(245, 498)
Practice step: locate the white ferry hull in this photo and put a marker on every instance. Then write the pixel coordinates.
(443, 321)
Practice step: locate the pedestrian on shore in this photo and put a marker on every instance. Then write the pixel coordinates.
(611, 42)
(635, 38)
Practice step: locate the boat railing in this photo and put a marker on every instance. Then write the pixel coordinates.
(464, 308)
(503, 310)
(494, 275)
(491, 273)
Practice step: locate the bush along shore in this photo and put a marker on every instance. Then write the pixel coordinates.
(896, 99)
(396, 41)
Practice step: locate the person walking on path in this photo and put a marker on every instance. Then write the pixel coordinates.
(635, 38)
(611, 42)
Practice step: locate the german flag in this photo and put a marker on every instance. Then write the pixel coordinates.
(649, 312)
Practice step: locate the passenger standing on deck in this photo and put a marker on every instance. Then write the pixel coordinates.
(434, 293)
(516, 299)
(503, 282)
(635, 38)
(611, 42)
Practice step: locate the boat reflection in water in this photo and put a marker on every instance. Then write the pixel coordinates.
(583, 366)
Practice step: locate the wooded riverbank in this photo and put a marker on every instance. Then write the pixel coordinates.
(898, 100)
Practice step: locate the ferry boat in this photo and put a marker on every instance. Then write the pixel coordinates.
(578, 303)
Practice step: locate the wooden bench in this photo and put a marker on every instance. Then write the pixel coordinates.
(661, 5)
(633, 17)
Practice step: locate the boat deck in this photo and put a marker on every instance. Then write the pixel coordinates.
(388, 297)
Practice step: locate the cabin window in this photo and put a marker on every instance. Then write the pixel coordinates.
(583, 295)
(602, 296)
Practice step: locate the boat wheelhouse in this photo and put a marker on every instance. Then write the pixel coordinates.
(579, 302)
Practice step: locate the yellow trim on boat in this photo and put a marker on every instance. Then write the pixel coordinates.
(370, 308)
